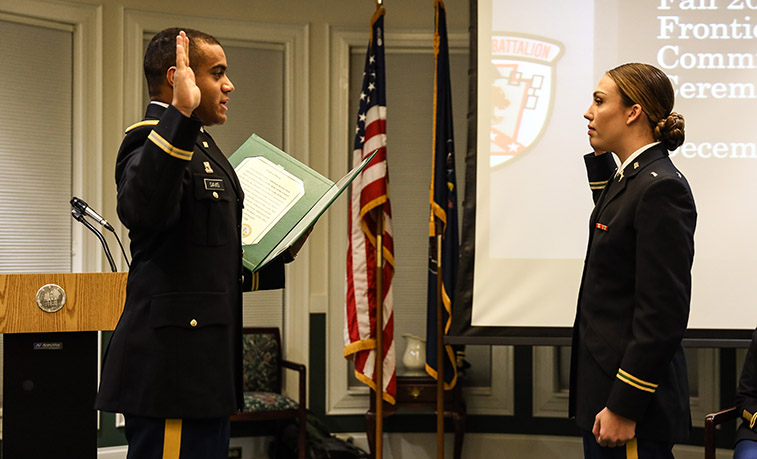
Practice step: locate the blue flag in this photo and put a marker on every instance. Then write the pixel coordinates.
(443, 205)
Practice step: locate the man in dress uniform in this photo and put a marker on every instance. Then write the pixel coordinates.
(173, 366)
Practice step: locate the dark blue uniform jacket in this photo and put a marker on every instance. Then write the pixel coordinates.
(176, 352)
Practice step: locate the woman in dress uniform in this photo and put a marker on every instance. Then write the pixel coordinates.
(629, 390)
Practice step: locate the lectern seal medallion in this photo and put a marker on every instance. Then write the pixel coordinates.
(51, 298)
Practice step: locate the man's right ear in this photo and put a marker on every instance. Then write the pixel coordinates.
(170, 74)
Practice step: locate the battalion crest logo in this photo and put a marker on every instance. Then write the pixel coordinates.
(522, 93)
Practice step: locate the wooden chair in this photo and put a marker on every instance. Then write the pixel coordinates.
(710, 423)
(263, 371)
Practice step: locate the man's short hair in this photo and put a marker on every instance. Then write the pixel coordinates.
(161, 54)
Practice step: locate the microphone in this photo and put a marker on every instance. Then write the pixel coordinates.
(82, 207)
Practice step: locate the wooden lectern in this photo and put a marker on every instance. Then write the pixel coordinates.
(51, 359)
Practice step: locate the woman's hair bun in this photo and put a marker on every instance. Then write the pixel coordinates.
(670, 131)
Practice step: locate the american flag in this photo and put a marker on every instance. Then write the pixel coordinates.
(369, 201)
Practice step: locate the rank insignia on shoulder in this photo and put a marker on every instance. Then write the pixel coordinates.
(208, 169)
(601, 226)
(653, 174)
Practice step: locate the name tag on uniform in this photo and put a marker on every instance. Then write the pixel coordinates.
(214, 184)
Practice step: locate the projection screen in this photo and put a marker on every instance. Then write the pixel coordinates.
(538, 63)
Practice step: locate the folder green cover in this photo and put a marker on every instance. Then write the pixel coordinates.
(283, 198)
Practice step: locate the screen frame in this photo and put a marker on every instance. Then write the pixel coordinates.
(462, 332)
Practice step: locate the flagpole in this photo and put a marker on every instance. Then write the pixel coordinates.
(439, 232)
(439, 347)
(379, 367)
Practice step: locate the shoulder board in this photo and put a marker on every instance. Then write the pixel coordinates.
(140, 124)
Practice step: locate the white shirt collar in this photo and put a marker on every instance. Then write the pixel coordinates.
(635, 155)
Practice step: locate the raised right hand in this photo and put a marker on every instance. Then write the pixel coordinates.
(186, 94)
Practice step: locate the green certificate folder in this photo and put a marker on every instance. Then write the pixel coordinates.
(283, 198)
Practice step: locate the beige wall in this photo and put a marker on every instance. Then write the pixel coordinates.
(110, 99)
(320, 15)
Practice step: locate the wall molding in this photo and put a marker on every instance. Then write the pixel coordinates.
(708, 379)
(548, 400)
